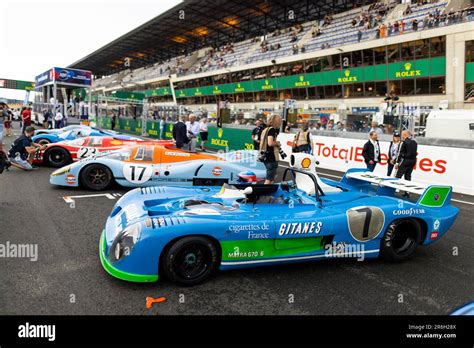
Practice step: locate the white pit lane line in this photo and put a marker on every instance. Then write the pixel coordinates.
(340, 177)
(72, 199)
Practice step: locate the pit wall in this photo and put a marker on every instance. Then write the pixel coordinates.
(440, 161)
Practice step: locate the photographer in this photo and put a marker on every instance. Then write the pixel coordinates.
(302, 141)
(23, 149)
(270, 147)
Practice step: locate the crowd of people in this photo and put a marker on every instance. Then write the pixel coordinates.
(187, 130)
(401, 154)
(23, 149)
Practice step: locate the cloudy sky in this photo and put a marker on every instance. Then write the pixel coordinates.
(36, 35)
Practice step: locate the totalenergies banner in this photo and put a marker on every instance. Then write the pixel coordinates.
(435, 164)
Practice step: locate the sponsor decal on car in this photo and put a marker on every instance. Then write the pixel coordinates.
(436, 224)
(70, 179)
(217, 171)
(178, 154)
(254, 231)
(249, 227)
(305, 163)
(409, 212)
(300, 228)
(245, 254)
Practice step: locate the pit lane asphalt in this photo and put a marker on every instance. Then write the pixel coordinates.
(68, 278)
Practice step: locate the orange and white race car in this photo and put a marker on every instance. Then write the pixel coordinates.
(148, 165)
(65, 152)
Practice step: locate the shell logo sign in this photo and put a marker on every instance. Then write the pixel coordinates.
(305, 163)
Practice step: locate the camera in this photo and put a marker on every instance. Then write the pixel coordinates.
(282, 154)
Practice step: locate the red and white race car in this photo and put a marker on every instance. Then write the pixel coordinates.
(65, 152)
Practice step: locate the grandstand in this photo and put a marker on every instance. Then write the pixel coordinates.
(321, 53)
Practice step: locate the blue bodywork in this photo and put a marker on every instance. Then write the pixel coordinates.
(177, 173)
(467, 309)
(61, 130)
(79, 132)
(275, 224)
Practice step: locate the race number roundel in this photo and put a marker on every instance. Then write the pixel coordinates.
(136, 173)
(84, 152)
(365, 223)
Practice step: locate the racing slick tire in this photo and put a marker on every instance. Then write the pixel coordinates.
(401, 240)
(96, 177)
(190, 260)
(57, 157)
(43, 141)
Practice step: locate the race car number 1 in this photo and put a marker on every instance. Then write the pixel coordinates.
(137, 174)
(86, 152)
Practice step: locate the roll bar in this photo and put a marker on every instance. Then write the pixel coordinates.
(318, 191)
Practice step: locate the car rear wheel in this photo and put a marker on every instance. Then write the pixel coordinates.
(96, 177)
(57, 157)
(43, 141)
(401, 240)
(190, 260)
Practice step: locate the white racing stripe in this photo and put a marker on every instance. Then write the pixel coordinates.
(297, 258)
(340, 177)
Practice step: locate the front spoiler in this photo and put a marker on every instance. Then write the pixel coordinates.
(115, 272)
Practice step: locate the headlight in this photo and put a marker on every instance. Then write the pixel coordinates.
(124, 242)
(61, 171)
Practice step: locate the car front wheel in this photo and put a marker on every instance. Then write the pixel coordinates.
(96, 177)
(190, 260)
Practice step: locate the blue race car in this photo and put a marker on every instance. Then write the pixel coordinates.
(76, 133)
(151, 165)
(187, 233)
(61, 130)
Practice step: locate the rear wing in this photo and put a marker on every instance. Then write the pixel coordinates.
(434, 196)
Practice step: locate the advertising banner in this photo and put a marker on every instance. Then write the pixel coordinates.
(74, 76)
(393, 71)
(44, 78)
(435, 164)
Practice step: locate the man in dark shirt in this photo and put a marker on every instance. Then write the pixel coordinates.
(407, 157)
(180, 133)
(371, 151)
(22, 148)
(256, 134)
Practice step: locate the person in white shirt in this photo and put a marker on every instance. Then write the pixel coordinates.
(162, 128)
(58, 119)
(376, 128)
(192, 128)
(203, 132)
